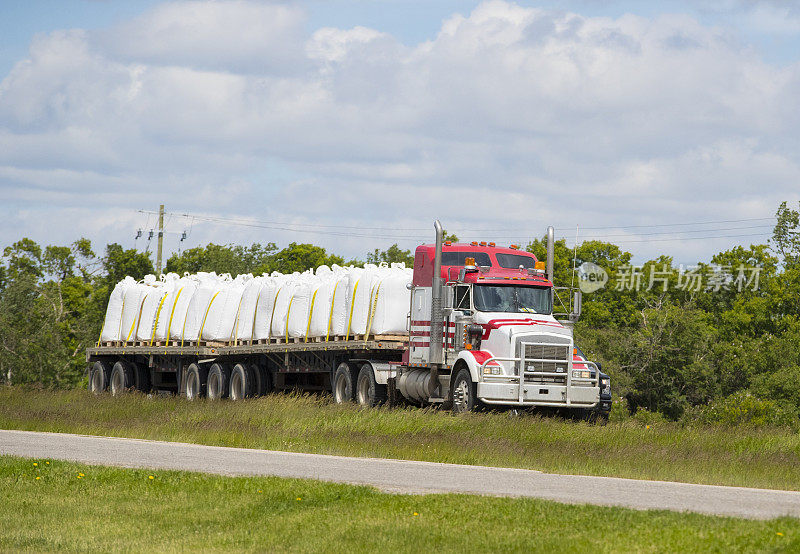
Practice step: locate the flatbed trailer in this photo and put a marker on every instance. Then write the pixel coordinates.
(269, 364)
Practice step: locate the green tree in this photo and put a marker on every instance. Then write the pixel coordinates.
(785, 235)
(233, 259)
(300, 257)
(393, 254)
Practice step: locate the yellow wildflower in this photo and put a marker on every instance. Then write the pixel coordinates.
(780, 534)
(298, 498)
(35, 464)
(416, 514)
(37, 477)
(151, 477)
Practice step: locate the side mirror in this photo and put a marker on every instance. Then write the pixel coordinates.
(577, 302)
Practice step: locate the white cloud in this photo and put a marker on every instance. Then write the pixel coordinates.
(510, 117)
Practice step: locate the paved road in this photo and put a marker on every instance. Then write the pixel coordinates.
(404, 476)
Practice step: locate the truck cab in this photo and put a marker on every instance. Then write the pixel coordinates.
(501, 342)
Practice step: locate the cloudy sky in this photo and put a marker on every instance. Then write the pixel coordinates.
(353, 124)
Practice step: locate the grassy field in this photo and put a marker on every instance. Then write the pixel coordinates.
(663, 451)
(53, 505)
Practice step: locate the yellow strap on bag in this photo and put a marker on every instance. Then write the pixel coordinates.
(311, 313)
(272, 316)
(373, 305)
(330, 317)
(235, 330)
(255, 315)
(135, 324)
(200, 334)
(288, 311)
(352, 305)
(155, 324)
(171, 314)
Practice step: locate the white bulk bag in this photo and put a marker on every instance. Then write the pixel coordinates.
(339, 305)
(220, 320)
(320, 311)
(131, 308)
(280, 310)
(300, 305)
(113, 321)
(265, 307)
(359, 292)
(171, 321)
(391, 301)
(210, 286)
(244, 330)
(150, 309)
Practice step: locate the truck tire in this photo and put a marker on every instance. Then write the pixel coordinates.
(122, 379)
(263, 379)
(463, 393)
(99, 376)
(343, 384)
(141, 377)
(368, 392)
(243, 382)
(219, 377)
(196, 379)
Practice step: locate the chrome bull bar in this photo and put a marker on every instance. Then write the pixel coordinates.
(519, 377)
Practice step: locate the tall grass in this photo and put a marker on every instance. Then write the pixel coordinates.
(76, 507)
(744, 456)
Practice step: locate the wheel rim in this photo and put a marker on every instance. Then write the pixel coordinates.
(97, 382)
(461, 396)
(363, 392)
(213, 386)
(341, 387)
(237, 387)
(191, 386)
(116, 383)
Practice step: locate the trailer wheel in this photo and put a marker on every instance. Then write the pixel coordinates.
(99, 376)
(343, 389)
(263, 379)
(243, 382)
(196, 378)
(464, 397)
(368, 392)
(121, 378)
(219, 377)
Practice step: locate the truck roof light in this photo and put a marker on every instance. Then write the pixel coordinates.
(491, 244)
(474, 243)
(447, 243)
(514, 247)
(483, 243)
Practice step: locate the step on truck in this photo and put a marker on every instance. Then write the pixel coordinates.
(483, 330)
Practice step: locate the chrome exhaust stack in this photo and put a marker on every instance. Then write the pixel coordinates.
(437, 317)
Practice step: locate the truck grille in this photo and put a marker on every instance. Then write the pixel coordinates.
(550, 358)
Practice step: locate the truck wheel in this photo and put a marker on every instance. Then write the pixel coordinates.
(243, 382)
(368, 392)
(218, 381)
(99, 376)
(141, 375)
(196, 378)
(343, 389)
(263, 379)
(463, 392)
(121, 378)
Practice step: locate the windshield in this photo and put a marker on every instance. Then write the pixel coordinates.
(510, 298)
(513, 261)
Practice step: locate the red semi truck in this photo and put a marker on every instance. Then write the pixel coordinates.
(481, 332)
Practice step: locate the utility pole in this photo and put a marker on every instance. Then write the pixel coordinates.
(160, 238)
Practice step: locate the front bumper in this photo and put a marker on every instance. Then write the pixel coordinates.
(537, 394)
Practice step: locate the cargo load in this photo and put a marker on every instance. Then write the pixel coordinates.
(325, 303)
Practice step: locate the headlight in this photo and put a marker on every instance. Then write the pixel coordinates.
(578, 374)
(605, 386)
(492, 370)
